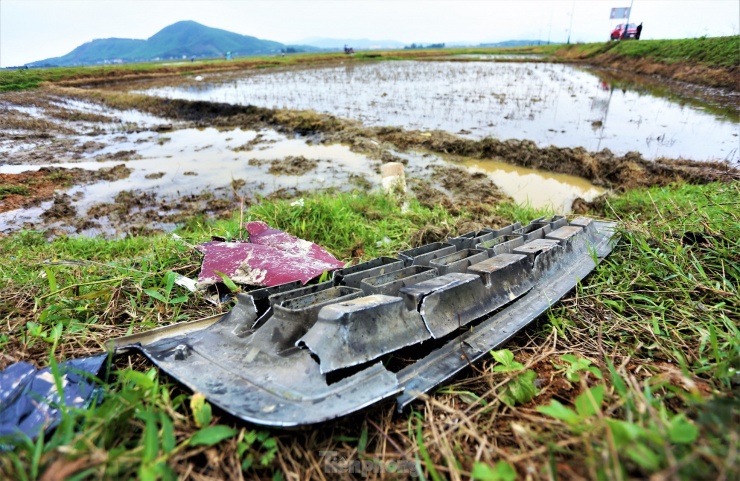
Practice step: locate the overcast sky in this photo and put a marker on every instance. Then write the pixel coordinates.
(33, 30)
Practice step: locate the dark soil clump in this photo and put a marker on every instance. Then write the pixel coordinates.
(121, 155)
(259, 139)
(291, 165)
(110, 174)
(62, 208)
(473, 192)
(466, 186)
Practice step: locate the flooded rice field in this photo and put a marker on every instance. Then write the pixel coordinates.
(551, 104)
(74, 165)
(497, 56)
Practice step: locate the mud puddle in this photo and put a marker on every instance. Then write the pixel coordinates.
(183, 173)
(535, 187)
(550, 104)
(176, 175)
(37, 128)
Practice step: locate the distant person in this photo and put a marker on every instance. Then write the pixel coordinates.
(192, 59)
(639, 31)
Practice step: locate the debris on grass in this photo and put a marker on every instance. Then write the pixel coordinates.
(30, 400)
(270, 257)
(299, 356)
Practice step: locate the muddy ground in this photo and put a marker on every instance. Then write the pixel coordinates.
(602, 168)
(44, 131)
(290, 165)
(18, 191)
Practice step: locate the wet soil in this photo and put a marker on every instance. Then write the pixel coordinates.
(602, 168)
(61, 209)
(134, 212)
(123, 155)
(258, 140)
(457, 189)
(291, 165)
(34, 187)
(454, 187)
(680, 71)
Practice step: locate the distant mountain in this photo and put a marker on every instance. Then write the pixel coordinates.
(186, 38)
(356, 43)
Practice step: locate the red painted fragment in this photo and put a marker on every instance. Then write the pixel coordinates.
(271, 257)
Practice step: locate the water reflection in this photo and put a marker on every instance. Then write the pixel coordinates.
(546, 103)
(190, 162)
(535, 187)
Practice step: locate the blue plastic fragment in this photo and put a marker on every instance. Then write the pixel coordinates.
(29, 401)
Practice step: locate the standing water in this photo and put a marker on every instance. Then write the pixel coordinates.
(551, 104)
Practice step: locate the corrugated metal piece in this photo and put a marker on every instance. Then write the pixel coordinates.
(267, 361)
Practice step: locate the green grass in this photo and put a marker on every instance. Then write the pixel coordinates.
(722, 52)
(28, 79)
(637, 369)
(714, 51)
(6, 190)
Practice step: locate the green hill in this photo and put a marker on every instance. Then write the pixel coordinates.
(186, 38)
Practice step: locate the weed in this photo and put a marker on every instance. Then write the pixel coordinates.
(520, 388)
(575, 364)
(6, 190)
(587, 405)
(164, 294)
(501, 471)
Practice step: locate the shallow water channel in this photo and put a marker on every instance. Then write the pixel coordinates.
(551, 104)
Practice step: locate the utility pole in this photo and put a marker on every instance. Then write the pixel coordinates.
(627, 25)
(570, 28)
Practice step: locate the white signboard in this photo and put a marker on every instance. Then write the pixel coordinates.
(620, 13)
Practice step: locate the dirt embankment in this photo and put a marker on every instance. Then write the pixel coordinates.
(693, 73)
(713, 61)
